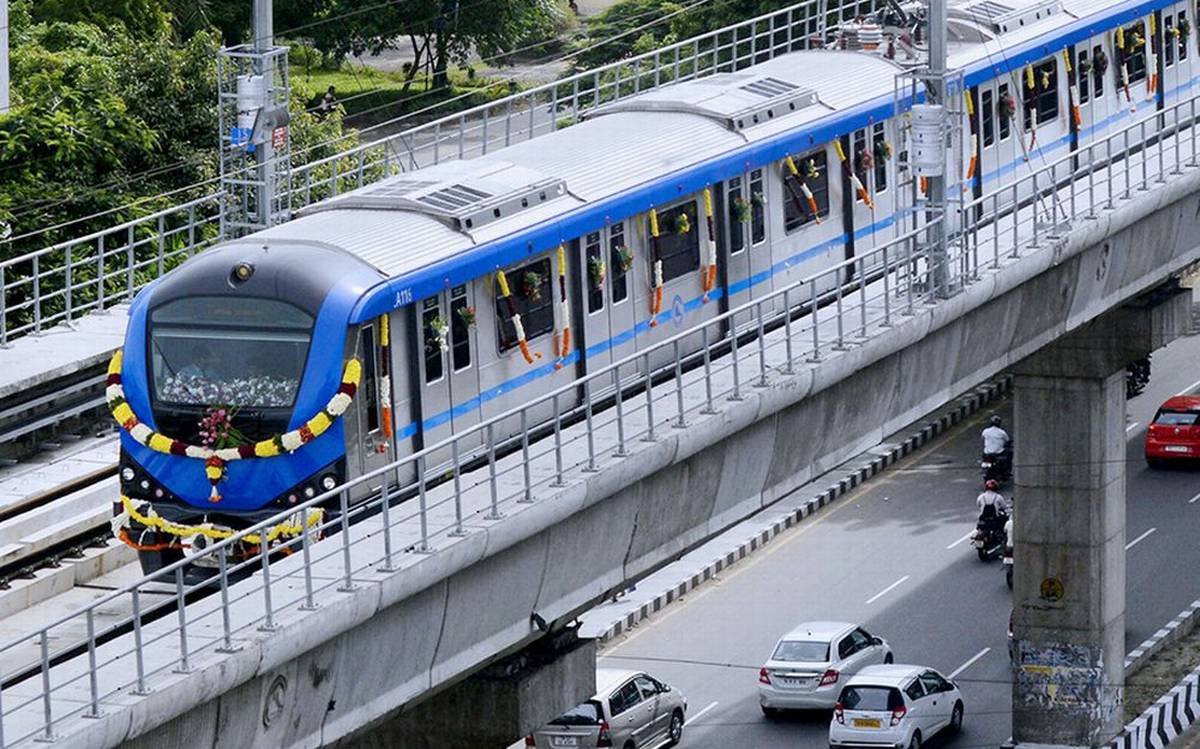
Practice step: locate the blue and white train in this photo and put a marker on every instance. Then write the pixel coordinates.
(419, 276)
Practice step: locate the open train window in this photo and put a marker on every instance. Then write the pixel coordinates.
(758, 202)
(618, 260)
(987, 117)
(433, 332)
(460, 329)
(1042, 99)
(739, 215)
(1135, 52)
(1097, 73)
(1002, 96)
(533, 299)
(879, 149)
(596, 270)
(1183, 37)
(678, 241)
(814, 174)
(1081, 77)
(1168, 49)
(370, 383)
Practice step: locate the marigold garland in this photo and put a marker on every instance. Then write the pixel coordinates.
(708, 271)
(215, 460)
(518, 328)
(861, 189)
(385, 375)
(790, 164)
(565, 307)
(657, 288)
(1073, 90)
(133, 510)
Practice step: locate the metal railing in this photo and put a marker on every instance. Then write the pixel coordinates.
(50, 286)
(430, 498)
(62, 282)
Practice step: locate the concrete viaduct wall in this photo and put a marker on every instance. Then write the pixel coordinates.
(350, 666)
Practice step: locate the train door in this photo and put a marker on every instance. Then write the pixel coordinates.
(372, 445)
(745, 234)
(622, 316)
(812, 232)
(864, 213)
(449, 378)
(1174, 58)
(597, 271)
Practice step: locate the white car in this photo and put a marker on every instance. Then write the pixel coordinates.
(896, 707)
(811, 663)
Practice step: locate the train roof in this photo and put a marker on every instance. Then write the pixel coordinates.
(451, 222)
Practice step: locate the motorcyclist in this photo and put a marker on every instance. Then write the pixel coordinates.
(996, 444)
(1000, 508)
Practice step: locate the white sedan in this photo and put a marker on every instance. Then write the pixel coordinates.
(895, 706)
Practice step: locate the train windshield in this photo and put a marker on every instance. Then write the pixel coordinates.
(239, 352)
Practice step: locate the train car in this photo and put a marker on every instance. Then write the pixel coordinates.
(378, 323)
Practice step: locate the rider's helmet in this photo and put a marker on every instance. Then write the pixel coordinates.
(996, 420)
(991, 485)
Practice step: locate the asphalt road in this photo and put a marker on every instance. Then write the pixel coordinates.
(894, 556)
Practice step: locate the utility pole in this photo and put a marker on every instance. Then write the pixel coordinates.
(3, 56)
(264, 40)
(939, 257)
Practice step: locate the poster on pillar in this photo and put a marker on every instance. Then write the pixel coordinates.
(1066, 678)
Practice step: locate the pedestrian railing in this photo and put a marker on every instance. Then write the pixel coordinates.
(430, 499)
(65, 281)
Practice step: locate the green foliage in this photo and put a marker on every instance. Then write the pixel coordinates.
(142, 18)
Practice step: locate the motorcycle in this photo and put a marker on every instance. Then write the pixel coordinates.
(997, 466)
(989, 538)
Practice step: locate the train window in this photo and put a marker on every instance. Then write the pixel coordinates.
(879, 149)
(813, 173)
(1042, 99)
(461, 315)
(758, 202)
(678, 241)
(1005, 120)
(533, 299)
(434, 331)
(1183, 37)
(739, 216)
(861, 157)
(1167, 49)
(370, 383)
(596, 270)
(1135, 52)
(1097, 73)
(987, 119)
(620, 259)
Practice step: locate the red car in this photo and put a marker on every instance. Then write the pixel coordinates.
(1175, 432)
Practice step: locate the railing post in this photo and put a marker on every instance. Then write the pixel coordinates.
(680, 422)
(130, 261)
(558, 455)
(787, 331)
(344, 505)
(910, 272)
(458, 509)
(528, 495)
(227, 645)
(591, 436)
(815, 356)
(422, 509)
(862, 288)
(100, 272)
(69, 278)
(310, 603)
(181, 609)
(708, 394)
(47, 715)
(733, 359)
(649, 400)
(139, 658)
(37, 294)
(264, 561)
(3, 308)
(887, 290)
(93, 681)
(162, 247)
(762, 346)
(841, 336)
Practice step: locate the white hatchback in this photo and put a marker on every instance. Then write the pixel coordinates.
(810, 664)
(895, 707)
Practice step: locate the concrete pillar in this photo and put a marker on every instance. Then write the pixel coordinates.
(495, 707)
(1069, 525)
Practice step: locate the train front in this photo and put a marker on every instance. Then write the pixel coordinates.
(231, 393)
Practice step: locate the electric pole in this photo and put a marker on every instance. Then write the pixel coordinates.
(264, 40)
(3, 56)
(939, 256)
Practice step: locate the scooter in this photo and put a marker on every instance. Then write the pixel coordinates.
(1008, 553)
(997, 466)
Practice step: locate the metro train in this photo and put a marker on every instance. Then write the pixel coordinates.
(281, 364)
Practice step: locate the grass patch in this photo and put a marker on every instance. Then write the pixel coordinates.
(369, 95)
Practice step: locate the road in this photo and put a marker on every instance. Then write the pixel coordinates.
(894, 556)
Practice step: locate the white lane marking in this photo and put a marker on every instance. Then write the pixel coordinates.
(1139, 539)
(886, 590)
(696, 717)
(959, 541)
(1189, 388)
(970, 662)
(1194, 500)
(1131, 427)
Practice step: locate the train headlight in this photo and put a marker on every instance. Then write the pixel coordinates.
(310, 492)
(127, 473)
(328, 482)
(144, 484)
